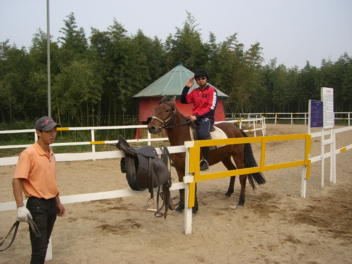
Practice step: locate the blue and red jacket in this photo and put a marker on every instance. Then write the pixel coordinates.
(204, 102)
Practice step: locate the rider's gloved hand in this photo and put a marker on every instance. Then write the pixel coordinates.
(23, 214)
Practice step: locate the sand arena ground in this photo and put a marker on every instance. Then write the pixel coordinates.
(276, 225)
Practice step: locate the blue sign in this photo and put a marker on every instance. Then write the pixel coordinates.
(316, 113)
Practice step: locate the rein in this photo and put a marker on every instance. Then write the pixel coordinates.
(15, 226)
(165, 124)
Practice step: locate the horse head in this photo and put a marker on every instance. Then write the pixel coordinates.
(164, 113)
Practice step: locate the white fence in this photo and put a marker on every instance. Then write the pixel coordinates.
(290, 116)
(93, 155)
(333, 151)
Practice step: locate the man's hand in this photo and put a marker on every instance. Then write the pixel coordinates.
(190, 82)
(60, 209)
(23, 214)
(192, 118)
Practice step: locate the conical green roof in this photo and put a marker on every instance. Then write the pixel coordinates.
(172, 83)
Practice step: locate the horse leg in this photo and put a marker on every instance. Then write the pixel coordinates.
(230, 166)
(243, 179)
(195, 207)
(181, 204)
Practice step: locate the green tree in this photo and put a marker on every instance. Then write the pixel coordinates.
(74, 43)
(186, 46)
(14, 71)
(77, 89)
(38, 77)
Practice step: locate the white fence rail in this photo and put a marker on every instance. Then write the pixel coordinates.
(93, 155)
(289, 116)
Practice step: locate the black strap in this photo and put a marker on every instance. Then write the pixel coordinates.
(165, 157)
(151, 177)
(34, 228)
(15, 226)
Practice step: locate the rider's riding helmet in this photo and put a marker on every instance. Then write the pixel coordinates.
(200, 72)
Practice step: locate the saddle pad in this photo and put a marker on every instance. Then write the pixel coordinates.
(216, 134)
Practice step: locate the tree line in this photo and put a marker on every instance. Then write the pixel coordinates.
(93, 79)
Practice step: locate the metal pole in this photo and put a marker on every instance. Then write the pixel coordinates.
(48, 54)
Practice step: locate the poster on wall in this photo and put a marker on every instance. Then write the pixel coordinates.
(327, 96)
(316, 113)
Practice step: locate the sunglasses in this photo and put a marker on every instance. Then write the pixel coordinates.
(200, 78)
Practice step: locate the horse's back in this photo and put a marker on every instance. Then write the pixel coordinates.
(230, 130)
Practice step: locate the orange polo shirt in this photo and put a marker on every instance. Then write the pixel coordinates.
(38, 171)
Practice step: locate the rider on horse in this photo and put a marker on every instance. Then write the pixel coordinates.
(204, 100)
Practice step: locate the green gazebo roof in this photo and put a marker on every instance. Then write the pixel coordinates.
(172, 83)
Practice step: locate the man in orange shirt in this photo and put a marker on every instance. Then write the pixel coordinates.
(35, 176)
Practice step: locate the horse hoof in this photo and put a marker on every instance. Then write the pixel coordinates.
(236, 207)
(226, 197)
(193, 215)
(177, 212)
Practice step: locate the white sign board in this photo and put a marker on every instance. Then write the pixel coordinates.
(327, 96)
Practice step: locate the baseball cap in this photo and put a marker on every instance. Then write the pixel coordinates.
(45, 123)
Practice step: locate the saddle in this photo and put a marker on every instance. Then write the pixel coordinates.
(144, 169)
(215, 133)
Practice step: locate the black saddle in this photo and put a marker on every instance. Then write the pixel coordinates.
(144, 169)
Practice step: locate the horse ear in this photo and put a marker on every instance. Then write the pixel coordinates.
(173, 100)
(165, 98)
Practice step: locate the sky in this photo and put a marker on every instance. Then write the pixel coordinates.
(292, 31)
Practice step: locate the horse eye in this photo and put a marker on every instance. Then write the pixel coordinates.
(168, 110)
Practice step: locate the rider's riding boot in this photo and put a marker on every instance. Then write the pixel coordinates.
(204, 163)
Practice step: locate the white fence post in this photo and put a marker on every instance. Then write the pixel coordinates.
(322, 157)
(304, 173)
(333, 156)
(49, 251)
(254, 127)
(332, 151)
(149, 137)
(93, 145)
(188, 178)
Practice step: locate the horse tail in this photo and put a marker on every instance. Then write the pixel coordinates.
(249, 162)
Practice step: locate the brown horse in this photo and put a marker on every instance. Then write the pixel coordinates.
(177, 126)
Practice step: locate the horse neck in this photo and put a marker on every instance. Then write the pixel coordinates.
(179, 134)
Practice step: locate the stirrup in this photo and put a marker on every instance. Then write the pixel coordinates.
(204, 165)
(147, 206)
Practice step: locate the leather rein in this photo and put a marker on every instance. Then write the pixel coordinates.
(31, 223)
(166, 124)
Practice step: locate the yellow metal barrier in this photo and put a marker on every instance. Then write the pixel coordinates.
(194, 154)
(97, 142)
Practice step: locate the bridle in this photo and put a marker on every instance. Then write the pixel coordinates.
(166, 124)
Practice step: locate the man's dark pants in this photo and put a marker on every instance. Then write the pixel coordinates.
(44, 215)
(204, 126)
